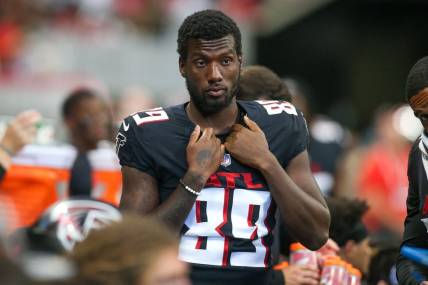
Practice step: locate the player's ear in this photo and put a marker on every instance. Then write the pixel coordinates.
(181, 66)
(240, 60)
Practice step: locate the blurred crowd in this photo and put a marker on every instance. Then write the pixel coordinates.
(58, 184)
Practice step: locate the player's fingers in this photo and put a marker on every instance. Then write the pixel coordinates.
(195, 134)
(308, 281)
(226, 145)
(311, 274)
(222, 150)
(251, 124)
(230, 137)
(206, 133)
(236, 128)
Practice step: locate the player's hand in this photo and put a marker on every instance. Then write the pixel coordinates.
(21, 130)
(329, 248)
(204, 152)
(301, 275)
(248, 145)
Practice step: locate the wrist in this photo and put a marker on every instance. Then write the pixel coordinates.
(267, 162)
(195, 180)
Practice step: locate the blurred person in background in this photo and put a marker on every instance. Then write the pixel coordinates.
(260, 83)
(416, 225)
(88, 119)
(382, 270)
(349, 232)
(19, 132)
(188, 180)
(135, 251)
(381, 177)
(328, 139)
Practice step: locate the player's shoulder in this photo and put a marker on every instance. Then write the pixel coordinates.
(152, 120)
(270, 111)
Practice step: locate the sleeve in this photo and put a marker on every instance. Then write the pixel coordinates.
(133, 148)
(408, 272)
(299, 135)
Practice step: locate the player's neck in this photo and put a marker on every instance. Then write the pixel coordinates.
(221, 122)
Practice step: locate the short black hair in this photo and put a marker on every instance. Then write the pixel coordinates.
(346, 216)
(207, 25)
(260, 82)
(74, 98)
(417, 79)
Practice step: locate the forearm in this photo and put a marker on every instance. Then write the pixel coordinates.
(306, 216)
(175, 209)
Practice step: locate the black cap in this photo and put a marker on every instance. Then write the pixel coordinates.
(417, 78)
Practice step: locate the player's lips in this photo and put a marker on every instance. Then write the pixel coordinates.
(216, 91)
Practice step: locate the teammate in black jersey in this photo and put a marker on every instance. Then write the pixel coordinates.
(416, 223)
(215, 169)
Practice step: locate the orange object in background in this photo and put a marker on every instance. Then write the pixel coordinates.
(30, 190)
(107, 186)
(40, 176)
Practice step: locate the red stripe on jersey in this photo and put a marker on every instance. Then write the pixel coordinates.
(269, 214)
(199, 243)
(218, 228)
(198, 211)
(250, 221)
(248, 179)
(250, 215)
(225, 252)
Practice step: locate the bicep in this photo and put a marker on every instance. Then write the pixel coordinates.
(139, 191)
(300, 172)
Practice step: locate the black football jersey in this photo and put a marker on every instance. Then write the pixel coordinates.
(230, 224)
(416, 223)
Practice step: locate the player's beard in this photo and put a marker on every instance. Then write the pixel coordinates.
(209, 107)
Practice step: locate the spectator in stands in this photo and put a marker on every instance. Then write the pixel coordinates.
(89, 121)
(19, 132)
(381, 177)
(328, 139)
(349, 232)
(260, 83)
(136, 251)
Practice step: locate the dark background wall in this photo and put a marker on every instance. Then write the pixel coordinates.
(355, 55)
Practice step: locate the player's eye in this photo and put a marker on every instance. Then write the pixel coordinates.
(226, 61)
(199, 63)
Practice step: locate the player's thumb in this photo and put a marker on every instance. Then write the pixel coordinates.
(251, 124)
(195, 134)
